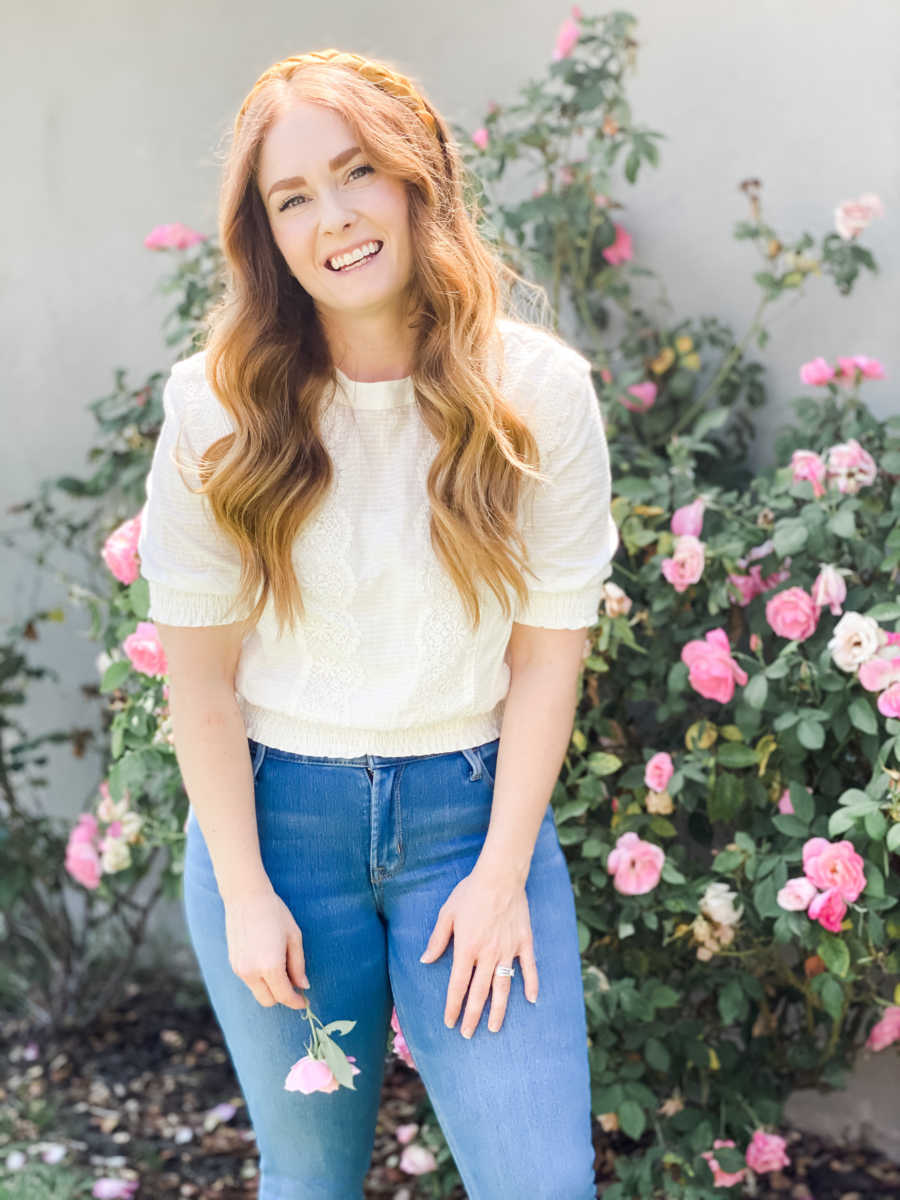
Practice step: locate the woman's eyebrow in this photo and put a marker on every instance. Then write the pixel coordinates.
(299, 181)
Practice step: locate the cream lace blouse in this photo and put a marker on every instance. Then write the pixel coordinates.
(385, 661)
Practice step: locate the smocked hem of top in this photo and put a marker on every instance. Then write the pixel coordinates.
(296, 735)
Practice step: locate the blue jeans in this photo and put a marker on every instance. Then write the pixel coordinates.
(364, 852)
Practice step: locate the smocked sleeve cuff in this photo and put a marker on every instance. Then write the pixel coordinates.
(172, 606)
(565, 610)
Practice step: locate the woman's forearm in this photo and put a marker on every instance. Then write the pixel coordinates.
(211, 749)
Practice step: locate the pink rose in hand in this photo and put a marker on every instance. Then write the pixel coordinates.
(766, 1152)
(712, 671)
(310, 1074)
(120, 550)
(145, 650)
(635, 865)
(885, 1031)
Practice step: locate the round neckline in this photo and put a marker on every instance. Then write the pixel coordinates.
(378, 393)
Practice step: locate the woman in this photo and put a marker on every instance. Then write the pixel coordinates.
(370, 701)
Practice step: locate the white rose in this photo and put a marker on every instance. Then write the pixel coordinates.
(855, 639)
(116, 856)
(131, 823)
(718, 904)
(618, 603)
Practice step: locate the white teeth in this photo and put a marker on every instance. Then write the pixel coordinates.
(354, 256)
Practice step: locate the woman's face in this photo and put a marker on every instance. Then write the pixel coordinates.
(324, 198)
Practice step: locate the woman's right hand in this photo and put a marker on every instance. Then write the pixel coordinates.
(265, 948)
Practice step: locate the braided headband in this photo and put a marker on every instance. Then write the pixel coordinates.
(381, 76)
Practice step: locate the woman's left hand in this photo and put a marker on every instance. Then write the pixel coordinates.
(491, 924)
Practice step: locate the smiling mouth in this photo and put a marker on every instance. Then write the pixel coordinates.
(358, 262)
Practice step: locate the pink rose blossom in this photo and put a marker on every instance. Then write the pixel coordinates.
(796, 894)
(686, 563)
(792, 614)
(114, 1189)
(785, 804)
(852, 217)
(806, 464)
(172, 237)
(635, 865)
(85, 830)
(621, 250)
(816, 372)
(722, 1178)
(747, 586)
(689, 518)
(644, 393)
(869, 368)
(400, 1046)
(310, 1074)
(829, 590)
(711, 670)
(83, 863)
(834, 865)
(566, 39)
(405, 1133)
(481, 137)
(850, 466)
(885, 1031)
(755, 643)
(120, 550)
(829, 909)
(766, 1152)
(882, 675)
(145, 651)
(658, 771)
(417, 1160)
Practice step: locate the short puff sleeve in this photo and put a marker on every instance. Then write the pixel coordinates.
(569, 529)
(192, 568)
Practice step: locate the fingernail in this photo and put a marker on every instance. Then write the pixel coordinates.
(424, 956)
(533, 999)
(305, 982)
(466, 1033)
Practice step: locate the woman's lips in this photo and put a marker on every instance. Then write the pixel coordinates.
(359, 263)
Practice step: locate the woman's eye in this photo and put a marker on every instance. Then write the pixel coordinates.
(289, 203)
(361, 167)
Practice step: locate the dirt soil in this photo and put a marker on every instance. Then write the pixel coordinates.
(137, 1089)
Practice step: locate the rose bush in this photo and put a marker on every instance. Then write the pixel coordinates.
(729, 808)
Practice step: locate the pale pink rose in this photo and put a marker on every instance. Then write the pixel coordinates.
(145, 651)
(855, 639)
(885, 1031)
(310, 1074)
(83, 863)
(172, 237)
(566, 39)
(834, 865)
(850, 466)
(658, 771)
(796, 894)
(829, 590)
(405, 1133)
(747, 586)
(755, 643)
(120, 550)
(711, 670)
(621, 250)
(481, 137)
(85, 830)
(792, 614)
(400, 1047)
(689, 518)
(722, 1178)
(829, 909)
(644, 394)
(617, 602)
(785, 804)
(766, 1152)
(806, 464)
(888, 703)
(114, 1189)
(869, 368)
(686, 564)
(852, 217)
(635, 865)
(816, 372)
(892, 638)
(417, 1160)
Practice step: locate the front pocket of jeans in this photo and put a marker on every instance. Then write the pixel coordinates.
(257, 755)
(487, 756)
